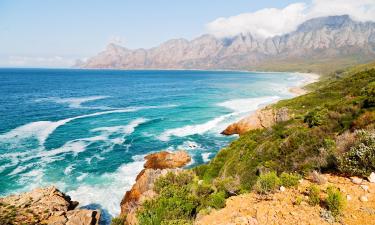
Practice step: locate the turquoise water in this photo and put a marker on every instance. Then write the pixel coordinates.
(86, 131)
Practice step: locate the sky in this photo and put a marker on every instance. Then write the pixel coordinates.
(54, 33)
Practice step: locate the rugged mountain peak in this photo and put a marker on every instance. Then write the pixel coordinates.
(332, 38)
(332, 22)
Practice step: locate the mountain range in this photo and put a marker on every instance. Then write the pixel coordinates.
(324, 39)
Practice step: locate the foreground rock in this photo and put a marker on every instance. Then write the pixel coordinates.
(157, 164)
(262, 118)
(283, 207)
(45, 206)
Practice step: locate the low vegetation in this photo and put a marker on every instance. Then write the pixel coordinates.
(314, 195)
(335, 201)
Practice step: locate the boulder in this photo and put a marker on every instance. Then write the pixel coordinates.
(47, 206)
(371, 178)
(167, 160)
(356, 180)
(262, 118)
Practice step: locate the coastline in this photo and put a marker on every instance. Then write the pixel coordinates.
(309, 79)
(266, 116)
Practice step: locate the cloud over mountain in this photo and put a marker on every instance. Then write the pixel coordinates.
(269, 22)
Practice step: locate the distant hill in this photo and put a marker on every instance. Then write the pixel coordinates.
(325, 40)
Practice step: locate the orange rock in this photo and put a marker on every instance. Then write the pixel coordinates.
(157, 164)
(262, 118)
(166, 160)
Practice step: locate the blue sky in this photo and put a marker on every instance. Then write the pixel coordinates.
(75, 29)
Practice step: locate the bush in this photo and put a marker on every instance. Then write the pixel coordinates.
(217, 200)
(289, 179)
(314, 195)
(118, 221)
(298, 200)
(360, 159)
(369, 92)
(314, 118)
(267, 182)
(335, 201)
(229, 185)
(175, 201)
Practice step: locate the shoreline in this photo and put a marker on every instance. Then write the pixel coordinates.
(309, 79)
(265, 116)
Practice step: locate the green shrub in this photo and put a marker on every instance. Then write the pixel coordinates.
(289, 179)
(298, 200)
(267, 183)
(217, 200)
(314, 195)
(360, 159)
(369, 92)
(229, 185)
(118, 221)
(175, 201)
(314, 118)
(335, 201)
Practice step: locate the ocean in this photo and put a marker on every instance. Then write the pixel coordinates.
(87, 131)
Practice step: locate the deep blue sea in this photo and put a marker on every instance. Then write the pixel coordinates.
(87, 131)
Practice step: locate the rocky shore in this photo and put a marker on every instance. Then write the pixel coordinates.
(45, 206)
(268, 116)
(262, 118)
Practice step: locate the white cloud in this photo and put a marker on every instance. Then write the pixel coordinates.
(269, 22)
(25, 61)
(116, 40)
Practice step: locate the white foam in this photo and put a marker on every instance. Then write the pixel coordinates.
(192, 129)
(111, 190)
(82, 176)
(42, 129)
(238, 106)
(127, 129)
(75, 146)
(76, 102)
(68, 169)
(248, 104)
(206, 156)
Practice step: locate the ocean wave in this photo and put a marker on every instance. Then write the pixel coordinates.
(206, 156)
(192, 129)
(75, 146)
(248, 104)
(41, 130)
(109, 189)
(238, 106)
(127, 129)
(76, 102)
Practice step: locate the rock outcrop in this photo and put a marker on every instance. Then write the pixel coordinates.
(262, 118)
(330, 38)
(157, 165)
(45, 206)
(291, 206)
